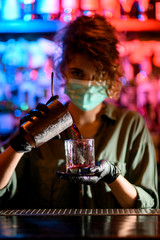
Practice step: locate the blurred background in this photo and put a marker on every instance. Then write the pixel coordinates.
(27, 28)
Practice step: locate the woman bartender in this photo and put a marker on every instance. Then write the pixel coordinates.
(126, 172)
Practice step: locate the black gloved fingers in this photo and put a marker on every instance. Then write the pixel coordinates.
(25, 118)
(36, 113)
(55, 97)
(99, 167)
(114, 172)
(42, 107)
(29, 115)
(95, 169)
(106, 171)
(85, 179)
(103, 170)
(19, 144)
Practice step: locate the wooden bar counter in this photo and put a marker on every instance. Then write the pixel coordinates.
(79, 223)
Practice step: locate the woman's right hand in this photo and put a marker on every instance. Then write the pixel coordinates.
(17, 141)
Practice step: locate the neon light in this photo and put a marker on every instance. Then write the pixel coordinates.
(157, 10)
(17, 113)
(27, 17)
(24, 106)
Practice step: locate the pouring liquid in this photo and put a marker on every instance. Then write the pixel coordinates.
(76, 130)
(81, 167)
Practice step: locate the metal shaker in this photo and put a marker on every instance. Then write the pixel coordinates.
(40, 130)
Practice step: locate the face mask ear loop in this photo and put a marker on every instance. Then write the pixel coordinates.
(108, 93)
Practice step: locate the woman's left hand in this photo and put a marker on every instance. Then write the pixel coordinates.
(103, 170)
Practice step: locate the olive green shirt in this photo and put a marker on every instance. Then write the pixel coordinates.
(122, 139)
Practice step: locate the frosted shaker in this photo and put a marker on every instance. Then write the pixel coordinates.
(40, 130)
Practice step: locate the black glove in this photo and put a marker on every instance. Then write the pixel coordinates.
(18, 142)
(103, 170)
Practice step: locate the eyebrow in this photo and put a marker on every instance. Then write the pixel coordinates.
(76, 69)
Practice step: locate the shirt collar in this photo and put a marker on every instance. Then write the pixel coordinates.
(111, 111)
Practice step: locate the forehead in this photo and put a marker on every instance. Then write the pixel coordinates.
(81, 61)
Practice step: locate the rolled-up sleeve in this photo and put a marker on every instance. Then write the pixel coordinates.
(8, 191)
(146, 200)
(142, 169)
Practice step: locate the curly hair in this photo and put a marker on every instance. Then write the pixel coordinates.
(96, 38)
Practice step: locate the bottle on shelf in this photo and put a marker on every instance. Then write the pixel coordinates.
(126, 6)
(157, 10)
(10, 10)
(151, 9)
(89, 7)
(143, 9)
(110, 8)
(69, 10)
(48, 9)
(29, 10)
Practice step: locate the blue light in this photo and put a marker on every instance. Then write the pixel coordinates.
(46, 17)
(143, 73)
(27, 17)
(17, 113)
(88, 13)
(67, 17)
(68, 10)
(141, 18)
(124, 80)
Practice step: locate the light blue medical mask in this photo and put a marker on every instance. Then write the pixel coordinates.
(86, 95)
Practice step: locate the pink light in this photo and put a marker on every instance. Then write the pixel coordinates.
(33, 75)
(29, 1)
(141, 77)
(121, 49)
(156, 60)
(90, 5)
(108, 4)
(143, 5)
(88, 13)
(108, 14)
(32, 16)
(68, 10)
(157, 10)
(70, 4)
(127, 5)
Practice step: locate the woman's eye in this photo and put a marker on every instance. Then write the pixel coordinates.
(77, 74)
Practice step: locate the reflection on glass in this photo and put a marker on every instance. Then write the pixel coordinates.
(126, 6)
(143, 7)
(8, 226)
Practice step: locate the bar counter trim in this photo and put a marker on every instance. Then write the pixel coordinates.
(77, 212)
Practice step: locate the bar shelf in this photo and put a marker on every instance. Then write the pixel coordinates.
(41, 26)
